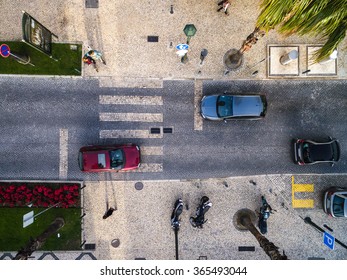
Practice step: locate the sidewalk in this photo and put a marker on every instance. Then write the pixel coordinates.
(141, 223)
(120, 31)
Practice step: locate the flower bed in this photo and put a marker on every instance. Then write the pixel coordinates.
(62, 195)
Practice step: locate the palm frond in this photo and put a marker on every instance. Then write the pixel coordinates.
(324, 18)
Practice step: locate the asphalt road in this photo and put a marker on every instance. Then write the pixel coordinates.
(33, 110)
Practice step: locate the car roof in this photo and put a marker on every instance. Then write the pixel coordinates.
(322, 151)
(247, 105)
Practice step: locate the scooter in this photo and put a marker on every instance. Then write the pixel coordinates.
(201, 210)
(263, 215)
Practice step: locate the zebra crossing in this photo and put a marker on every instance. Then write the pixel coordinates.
(145, 117)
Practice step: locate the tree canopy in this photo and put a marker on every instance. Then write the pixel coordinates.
(326, 19)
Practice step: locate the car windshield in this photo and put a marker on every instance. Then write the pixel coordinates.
(224, 106)
(117, 159)
(306, 152)
(339, 206)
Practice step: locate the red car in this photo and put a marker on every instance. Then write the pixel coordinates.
(109, 158)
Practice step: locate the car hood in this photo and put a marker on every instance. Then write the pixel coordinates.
(132, 157)
(209, 106)
(96, 160)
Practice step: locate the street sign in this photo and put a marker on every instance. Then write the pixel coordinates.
(329, 240)
(5, 50)
(28, 219)
(181, 47)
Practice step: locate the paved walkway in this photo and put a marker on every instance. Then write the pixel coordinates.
(141, 223)
(120, 30)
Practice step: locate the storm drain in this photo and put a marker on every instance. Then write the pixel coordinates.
(153, 39)
(167, 129)
(90, 246)
(246, 248)
(202, 258)
(92, 3)
(155, 130)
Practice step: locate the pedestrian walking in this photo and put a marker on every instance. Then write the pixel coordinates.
(96, 55)
(89, 60)
(108, 213)
(224, 5)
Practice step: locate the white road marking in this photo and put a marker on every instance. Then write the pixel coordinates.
(63, 153)
(198, 121)
(131, 117)
(149, 167)
(151, 150)
(129, 134)
(132, 100)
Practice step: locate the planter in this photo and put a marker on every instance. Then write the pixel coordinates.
(42, 194)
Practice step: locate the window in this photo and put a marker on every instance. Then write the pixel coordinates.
(117, 159)
(224, 106)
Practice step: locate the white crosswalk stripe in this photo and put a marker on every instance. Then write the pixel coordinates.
(131, 100)
(140, 133)
(151, 150)
(153, 120)
(131, 117)
(149, 167)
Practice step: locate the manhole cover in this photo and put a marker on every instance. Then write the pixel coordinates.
(138, 186)
(115, 243)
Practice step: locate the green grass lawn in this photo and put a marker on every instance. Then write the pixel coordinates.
(69, 60)
(14, 236)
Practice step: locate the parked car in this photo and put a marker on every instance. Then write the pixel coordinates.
(231, 106)
(109, 158)
(311, 152)
(335, 202)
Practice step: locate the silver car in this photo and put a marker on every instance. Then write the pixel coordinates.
(230, 106)
(335, 202)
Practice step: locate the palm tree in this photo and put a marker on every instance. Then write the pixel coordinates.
(326, 19)
(37, 243)
(244, 221)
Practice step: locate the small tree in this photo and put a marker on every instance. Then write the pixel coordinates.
(244, 220)
(324, 18)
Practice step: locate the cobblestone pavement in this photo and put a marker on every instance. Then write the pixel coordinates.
(120, 30)
(140, 227)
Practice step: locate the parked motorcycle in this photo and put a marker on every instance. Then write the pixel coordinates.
(177, 211)
(175, 221)
(263, 215)
(201, 210)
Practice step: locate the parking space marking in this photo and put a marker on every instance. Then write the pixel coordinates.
(131, 117)
(301, 203)
(129, 134)
(198, 121)
(151, 150)
(63, 153)
(132, 100)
